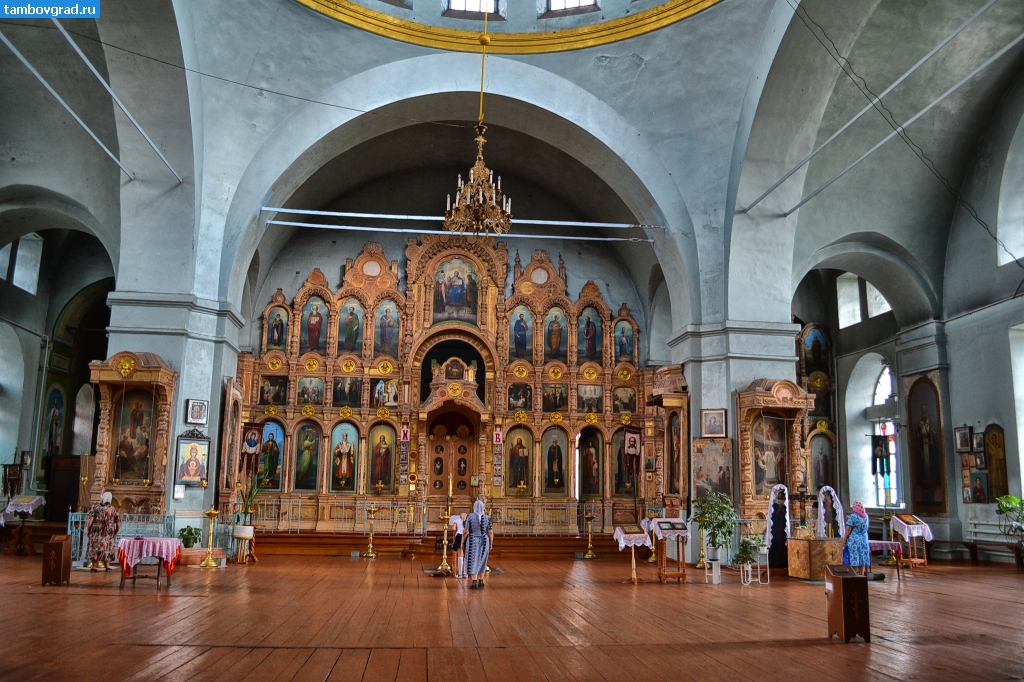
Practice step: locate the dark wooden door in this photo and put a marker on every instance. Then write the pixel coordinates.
(64, 484)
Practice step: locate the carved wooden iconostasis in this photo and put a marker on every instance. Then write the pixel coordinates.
(133, 438)
(771, 445)
(817, 428)
(501, 412)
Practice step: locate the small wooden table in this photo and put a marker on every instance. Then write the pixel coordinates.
(21, 537)
(670, 529)
(131, 551)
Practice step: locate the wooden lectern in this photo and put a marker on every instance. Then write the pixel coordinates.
(846, 595)
(57, 560)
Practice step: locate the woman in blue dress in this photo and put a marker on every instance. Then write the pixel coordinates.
(856, 553)
(478, 538)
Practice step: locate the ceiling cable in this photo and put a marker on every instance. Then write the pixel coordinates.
(355, 228)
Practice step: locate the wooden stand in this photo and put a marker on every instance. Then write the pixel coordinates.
(663, 573)
(57, 561)
(846, 595)
(135, 574)
(632, 560)
(911, 556)
(21, 539)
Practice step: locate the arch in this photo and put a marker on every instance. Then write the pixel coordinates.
(858, 396)
(429, 86)
(887, 266)
(1010, 210)
(12, 386)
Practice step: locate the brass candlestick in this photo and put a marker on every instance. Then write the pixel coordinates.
(379, 487)
(445, 517)
(589, 518)
(654, 542)
(372, 513)
(701, 563)
(209, 562)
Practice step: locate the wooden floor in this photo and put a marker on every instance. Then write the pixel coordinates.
(323, 618)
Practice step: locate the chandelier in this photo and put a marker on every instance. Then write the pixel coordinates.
(480, 207)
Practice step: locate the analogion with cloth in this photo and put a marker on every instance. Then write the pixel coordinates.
(131, 551)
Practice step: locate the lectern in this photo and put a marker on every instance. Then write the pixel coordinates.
(846, 594)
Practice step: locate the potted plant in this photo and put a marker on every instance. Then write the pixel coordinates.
(717, 519)
(749, 546)
(189, 536)
(1011, 517)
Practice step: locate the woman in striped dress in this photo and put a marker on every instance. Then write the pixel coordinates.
(478, 537)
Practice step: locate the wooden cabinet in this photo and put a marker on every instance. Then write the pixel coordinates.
(808, 557)
(846, 596)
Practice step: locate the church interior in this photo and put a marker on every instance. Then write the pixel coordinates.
(290, 389)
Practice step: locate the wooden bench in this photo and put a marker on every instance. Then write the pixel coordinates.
(972, 549)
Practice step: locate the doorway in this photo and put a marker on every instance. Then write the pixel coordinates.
(452, 461)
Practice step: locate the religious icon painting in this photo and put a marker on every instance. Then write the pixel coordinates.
(967, 495)
(626, 453)
(344, 454)
(519, 441)
(313, 334)
(712, 423)
(387, 329)
(381, 461)
(456, 291)
(712, 466)
(816, 351)
(350, 327)
(277, 329)
(53, 422)
(307, 456)
(310, 391)
(589, 344)
(461, 466)
(271, 455)
(979, 487)
(556, 397)
(520, 334)
(438, 484)
(928, 475)
(962, 437)
(590, 398)
(273, 390)
(249, 450)
(454, 371)
(554, 446)
(133, 428)
(192, 461)
(768, 436)
(623, 400)
(979, 461)
(995, 458)
(438, 466)
(556, 335)
(821, 462)
(197, 411)
(384, 393)
(520, 397)
(978, 442)
(348, 391)
(591, 457)
(623, 341)
(674, 436)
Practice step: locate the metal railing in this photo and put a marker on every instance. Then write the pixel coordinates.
(390, 517)
(510, 517)
(132, 525)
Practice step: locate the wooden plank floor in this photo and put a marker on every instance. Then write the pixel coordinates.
(342, 619)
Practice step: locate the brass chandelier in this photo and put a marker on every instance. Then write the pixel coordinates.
(480, 207)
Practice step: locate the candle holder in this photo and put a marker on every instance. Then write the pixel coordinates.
(653, 559)
(379, 487)
(701, 563)
(371, 511)
(209, 561)
(521, 488)
(589, 518)
(444, 516)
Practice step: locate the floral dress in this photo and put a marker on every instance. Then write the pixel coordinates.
(857, 552)
(103, 526)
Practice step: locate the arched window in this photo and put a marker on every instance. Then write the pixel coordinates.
(887, 490)
(869, 412)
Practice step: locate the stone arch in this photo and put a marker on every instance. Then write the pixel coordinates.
(857, 396)
(12, 386)
(539, 103)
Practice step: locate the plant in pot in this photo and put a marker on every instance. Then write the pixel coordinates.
(247, 494)
(189, 536)
(717, 518)
(1011, 517)
(750, 545)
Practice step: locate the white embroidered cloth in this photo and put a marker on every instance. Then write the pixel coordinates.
(666, 533)
(26, 504)
(917, 530)
(134, 550)
(836, 504)
(631, 539)
(771, 505)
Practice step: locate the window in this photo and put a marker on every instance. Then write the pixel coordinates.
(886, 485)
(876, 302)
(848, 295)
(27, 254)
(479, 6)
(558, 5)
(5, 261)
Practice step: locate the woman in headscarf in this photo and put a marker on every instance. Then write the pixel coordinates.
(104, 523)
(478, 538)
(856, 552)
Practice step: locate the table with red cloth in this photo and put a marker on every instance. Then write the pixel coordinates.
(887, 546)
(131, 551)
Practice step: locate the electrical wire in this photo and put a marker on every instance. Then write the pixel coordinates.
(887, 115)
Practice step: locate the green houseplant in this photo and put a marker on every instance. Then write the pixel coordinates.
(715, 515)
(749, 545)
(1011, 517)
(189, 536)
